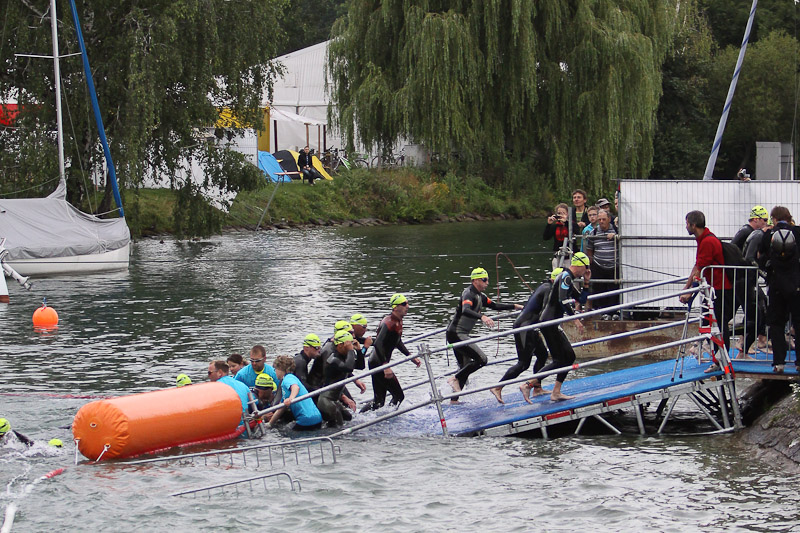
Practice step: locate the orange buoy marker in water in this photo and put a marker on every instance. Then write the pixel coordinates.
(151, 421)
(45, 317)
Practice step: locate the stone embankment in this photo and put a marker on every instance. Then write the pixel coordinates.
(774, 432)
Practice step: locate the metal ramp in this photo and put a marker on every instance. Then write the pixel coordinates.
(234, 486)
(597, 395)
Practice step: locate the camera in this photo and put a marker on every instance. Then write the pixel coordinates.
(743, 174)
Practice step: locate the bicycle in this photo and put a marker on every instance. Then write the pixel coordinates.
(397, 159)
(334, 158)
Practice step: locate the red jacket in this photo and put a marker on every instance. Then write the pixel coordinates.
(709, 252)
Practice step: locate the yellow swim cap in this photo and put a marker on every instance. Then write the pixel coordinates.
(359, 319)
(312, 340)
(55, 442)
(182, 380)
(342, 325)
(758, 212)
(265, 382)
(5, 426)
(580, 259)
(554, 274)
(397, 299)
(479, 273)
(342, 336)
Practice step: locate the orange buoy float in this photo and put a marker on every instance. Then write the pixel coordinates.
(45, 317)
(152, 421)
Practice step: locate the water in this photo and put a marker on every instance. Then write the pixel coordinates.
(183, 304)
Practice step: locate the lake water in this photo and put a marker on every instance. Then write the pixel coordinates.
(182, 304)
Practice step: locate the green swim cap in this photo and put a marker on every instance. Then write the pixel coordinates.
(5, 426)
(397, 299)
(265, 382)
(55, 442)
(479, 273)
(554, 274)
(342, 336)
(580, 259)
(182, 380)
(342, 325)
(359, 319)
(312, 340)
(758, 211)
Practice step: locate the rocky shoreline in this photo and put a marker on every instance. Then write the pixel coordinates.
(774, 433)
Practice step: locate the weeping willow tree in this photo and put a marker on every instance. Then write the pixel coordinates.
(162, 71)
(570, 86)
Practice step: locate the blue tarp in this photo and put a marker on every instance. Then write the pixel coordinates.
(270, 166)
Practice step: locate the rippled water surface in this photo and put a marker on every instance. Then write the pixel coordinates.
(182, 304)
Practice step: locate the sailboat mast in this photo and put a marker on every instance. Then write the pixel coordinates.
(57, 70)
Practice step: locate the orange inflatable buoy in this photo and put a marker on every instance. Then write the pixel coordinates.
(45, 317)
(151, 421)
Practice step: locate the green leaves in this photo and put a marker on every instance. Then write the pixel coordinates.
(162, 69)
(572, 88)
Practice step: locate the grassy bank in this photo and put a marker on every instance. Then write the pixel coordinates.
(403, 195)
(395, 196)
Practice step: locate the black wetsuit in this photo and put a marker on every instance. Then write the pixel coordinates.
(337, 368)
(554, 308)
(783, 280)
(301, 361)
(20, 437)
(468, 311)
(530, 342)
(387, 339)
(741, 236)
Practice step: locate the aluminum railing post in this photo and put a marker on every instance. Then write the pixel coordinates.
(425, 353)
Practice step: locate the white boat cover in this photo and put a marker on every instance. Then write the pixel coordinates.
(41, 228)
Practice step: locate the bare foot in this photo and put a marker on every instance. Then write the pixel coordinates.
(560, 397)
(497, 391)
(538, 391)
(526, 392)
(455, 402)
(453, 382)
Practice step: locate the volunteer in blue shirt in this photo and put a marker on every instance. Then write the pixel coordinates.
(306, 414)
(258, 364)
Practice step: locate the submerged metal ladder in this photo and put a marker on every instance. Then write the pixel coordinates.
(274, 452)
(294, 485)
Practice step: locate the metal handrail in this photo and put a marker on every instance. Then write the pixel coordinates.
(570, 318)
(292, 482)
(245, 449)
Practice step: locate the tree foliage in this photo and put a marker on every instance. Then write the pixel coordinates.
(309, 22)
(685, 125)
(572, 86)
(764, 106)
(161, 69)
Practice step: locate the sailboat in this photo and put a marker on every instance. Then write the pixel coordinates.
(49, 236)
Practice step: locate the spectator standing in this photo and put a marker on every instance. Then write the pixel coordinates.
(602, 251)
(709, 252)
(592, 211)
(580, 216)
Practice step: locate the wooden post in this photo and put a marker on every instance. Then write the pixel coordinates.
(275, 127)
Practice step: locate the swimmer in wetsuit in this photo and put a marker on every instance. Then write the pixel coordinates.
(556, 304)
(470, 358)
(310, 352)
(5, 429)
(529, 342)
(338, 366)
(387, 339)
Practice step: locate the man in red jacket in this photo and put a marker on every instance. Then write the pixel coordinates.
(709, 252)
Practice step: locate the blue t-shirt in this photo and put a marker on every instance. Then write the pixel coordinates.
(586, 231)
(304, 411)
(240, 388)
(248, 376)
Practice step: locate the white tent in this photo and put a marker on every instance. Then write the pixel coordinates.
(300, 102)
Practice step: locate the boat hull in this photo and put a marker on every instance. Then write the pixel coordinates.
(110, 261)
